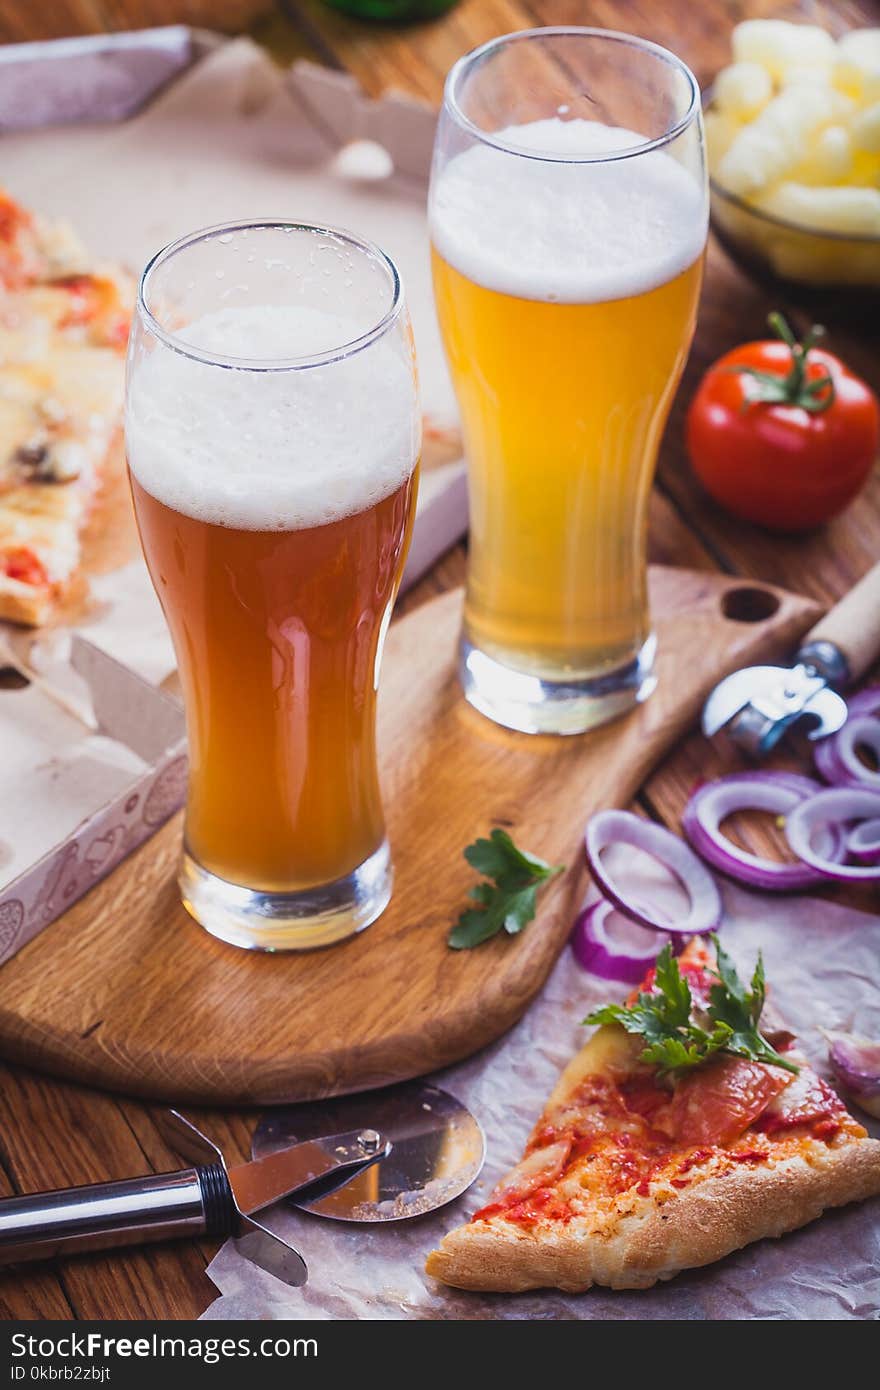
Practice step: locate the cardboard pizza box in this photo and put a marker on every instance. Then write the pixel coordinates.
(89, 772)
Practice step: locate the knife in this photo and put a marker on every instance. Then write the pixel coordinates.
(756, 706)
(207, 1199)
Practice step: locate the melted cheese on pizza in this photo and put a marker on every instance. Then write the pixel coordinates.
(614, 1134)
(63, 331)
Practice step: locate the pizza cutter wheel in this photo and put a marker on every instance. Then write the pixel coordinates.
(436, 1151)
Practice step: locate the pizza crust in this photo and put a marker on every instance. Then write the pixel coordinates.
(657, 1240)
(24, 603)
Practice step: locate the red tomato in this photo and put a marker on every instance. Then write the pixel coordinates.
(772, 445)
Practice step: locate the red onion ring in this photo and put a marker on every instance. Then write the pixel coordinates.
(863, 842)
(778, 792)
(807, 786)
(832, 807)
(867, 701)
(613, 947)
(826, 761)
(837, 757)
(622, 827)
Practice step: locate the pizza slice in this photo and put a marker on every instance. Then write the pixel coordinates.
(63, 333)
(678, 1134)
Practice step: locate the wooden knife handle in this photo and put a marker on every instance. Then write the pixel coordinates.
(853, 625)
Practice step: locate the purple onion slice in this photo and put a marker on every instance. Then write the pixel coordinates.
(776, 792)
(835, 808)
(622, 827)
(612, 946)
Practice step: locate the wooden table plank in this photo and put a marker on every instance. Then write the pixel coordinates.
(20, 23)
(52, 1132)
(412, 58)
(28, 1294)
(700, 34)
(56, 1134)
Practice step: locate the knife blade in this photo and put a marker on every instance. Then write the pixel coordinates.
(206, 1200)
(267, 1180)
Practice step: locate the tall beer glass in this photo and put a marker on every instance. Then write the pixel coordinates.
(272, 430)
(568, 217)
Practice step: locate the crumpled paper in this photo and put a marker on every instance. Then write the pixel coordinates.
(822, 963)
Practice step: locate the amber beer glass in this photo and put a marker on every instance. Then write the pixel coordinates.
(568, 219)
(272, 432)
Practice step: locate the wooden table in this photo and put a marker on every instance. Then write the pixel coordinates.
(53, 1133)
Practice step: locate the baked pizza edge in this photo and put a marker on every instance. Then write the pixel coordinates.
(698, 1226)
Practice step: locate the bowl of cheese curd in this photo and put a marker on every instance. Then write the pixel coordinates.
(793, 139)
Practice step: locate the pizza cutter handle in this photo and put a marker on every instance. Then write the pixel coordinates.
(852, 627)
(162, 1206)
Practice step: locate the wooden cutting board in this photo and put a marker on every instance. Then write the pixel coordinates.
(126, 991)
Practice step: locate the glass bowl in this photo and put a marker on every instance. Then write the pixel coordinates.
(812, 266)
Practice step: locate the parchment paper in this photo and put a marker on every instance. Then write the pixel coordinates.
(822, 962)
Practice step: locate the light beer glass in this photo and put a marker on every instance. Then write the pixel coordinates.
(568, 218)
(272, 432)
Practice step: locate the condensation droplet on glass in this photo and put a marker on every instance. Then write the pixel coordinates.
(225, 239)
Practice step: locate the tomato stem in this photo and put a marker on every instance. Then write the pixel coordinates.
(814, 396)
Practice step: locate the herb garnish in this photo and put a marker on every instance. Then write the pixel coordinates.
(511, 903)
(674, 1041)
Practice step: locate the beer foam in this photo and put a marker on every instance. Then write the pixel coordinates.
(272, 450)
(570, 232)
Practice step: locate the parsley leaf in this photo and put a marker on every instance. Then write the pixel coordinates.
(511, 904)
(674, 989)
(674, 1054)
(740, 1009)
(676, 1042)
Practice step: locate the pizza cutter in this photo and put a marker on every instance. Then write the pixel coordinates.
(756, 706)
(334, 1158)
(436, 1150)
(208, 1199)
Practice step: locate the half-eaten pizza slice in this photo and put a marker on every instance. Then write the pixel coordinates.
(679, 1133)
